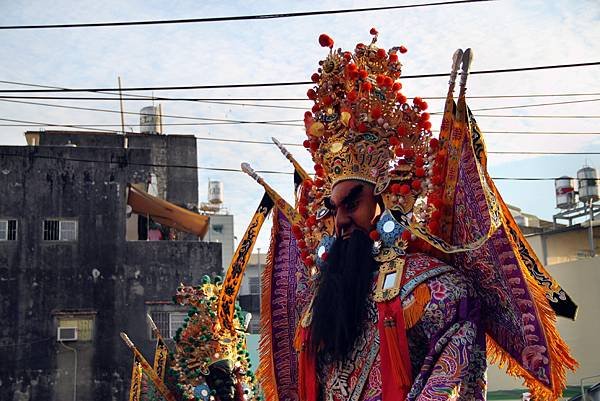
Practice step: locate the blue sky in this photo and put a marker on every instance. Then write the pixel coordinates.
(503, 34)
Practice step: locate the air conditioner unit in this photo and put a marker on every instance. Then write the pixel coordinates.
(67, 334)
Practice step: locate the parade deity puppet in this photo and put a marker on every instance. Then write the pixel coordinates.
(353, 283)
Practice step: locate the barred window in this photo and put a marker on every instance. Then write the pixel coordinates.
(8, 230)
(254, 283)
(60, 230)
(175, 322)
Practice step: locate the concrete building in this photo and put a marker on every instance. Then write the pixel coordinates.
(70, 280)
(250, 291)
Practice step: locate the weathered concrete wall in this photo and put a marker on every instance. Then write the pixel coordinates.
(99, 272)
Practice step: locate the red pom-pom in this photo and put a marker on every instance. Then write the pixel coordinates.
(315, 108)
(420, 172)
(352, 67)
(362, 127)
(308, 183)
(400, 98)
(395, 188)
(380, 79)
(401, 130)
(381, 53)
(396, 86)
(376, 112)
(306, 143)
(373, 31)
(347, 56)
(315, 77)
(327, 100)
(394, 141)
(301, 244)
(374, 235)
(419, 161)
(403, 49)
(311, 94)
(311, 221)
(404, 189)
(409, 153)
(406, 235)
(325, 41)
(393, 57)
(436, 180)
(399, 151)
(319, 182)
(416, 185)
(297, 231)
(363, 74)
(388, 82)
(423, 105)
(352, 96)
(307, 114)
(426, 125)
(308, 261)
(434, 143)
(424, 117)
(366, 86)
(417, 101)
(314, 145)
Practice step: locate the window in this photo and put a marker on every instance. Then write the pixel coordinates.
(218, 228)
(8, 230)
(254, 283)
(168, 322)
(175, 322)
(60, 230)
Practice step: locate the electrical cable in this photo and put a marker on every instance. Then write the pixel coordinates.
(274, 84)
(236, 18)
(123, 161)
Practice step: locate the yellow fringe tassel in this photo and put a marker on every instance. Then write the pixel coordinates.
(266, 369)
(414, 310)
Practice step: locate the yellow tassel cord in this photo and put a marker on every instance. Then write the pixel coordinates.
(558, 351)
(414, 310)
(266, 369)
(401, 375)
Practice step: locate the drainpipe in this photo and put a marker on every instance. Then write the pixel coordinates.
(74, 370)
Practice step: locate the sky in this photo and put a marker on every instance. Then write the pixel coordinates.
(502, 34)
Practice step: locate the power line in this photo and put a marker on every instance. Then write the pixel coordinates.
(236, 18)
(292, 122)
(270, 143)
(222, 169)
(274, 84)
(85, 125)
(267, 122)
(226, 100)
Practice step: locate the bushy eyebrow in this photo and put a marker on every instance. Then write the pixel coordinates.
(352, 195)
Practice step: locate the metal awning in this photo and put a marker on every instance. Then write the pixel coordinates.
(166, 213)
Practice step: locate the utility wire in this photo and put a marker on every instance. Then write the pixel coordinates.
(296, 123)
(85, 125)
(273, 84)
(236, 18)
(266, 122)
(269, 143)
(222, 169)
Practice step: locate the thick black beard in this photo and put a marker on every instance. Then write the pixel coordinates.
(340, 305)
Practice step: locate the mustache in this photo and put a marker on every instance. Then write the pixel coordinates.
(339, 307)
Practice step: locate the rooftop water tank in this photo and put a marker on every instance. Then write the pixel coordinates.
(588, 184)
(149, 120)
(566, 197)
(215, 192)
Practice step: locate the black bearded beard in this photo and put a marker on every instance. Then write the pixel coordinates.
(340, 305)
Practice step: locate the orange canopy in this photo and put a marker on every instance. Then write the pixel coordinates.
(166, 213)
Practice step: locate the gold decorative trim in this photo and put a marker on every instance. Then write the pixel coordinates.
(389, 280)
